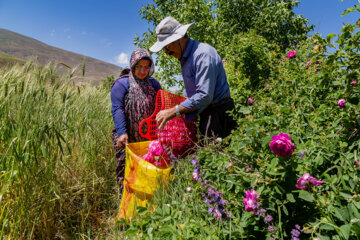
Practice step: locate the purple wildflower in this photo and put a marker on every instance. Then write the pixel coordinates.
(204, 183)
(208, 201)
(261, 212)
(271, 228)
(268, 218)
(301, 155)
(295, 233)
(195, 162)
(211, 209)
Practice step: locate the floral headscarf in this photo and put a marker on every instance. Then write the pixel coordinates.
(140, 101)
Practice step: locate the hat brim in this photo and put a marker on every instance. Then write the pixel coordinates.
(179, 33)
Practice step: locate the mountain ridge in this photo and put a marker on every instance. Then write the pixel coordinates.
(25, 47)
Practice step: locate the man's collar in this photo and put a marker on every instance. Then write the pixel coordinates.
(188, 49)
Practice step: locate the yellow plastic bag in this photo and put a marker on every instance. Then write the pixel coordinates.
(141, 180)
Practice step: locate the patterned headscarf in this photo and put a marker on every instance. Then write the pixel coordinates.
(140, 101)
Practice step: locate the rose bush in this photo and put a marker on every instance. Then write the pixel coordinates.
(299, 102)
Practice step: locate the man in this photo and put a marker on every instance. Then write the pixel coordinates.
(204, 79)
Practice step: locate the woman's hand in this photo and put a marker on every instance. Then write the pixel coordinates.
(122, 141)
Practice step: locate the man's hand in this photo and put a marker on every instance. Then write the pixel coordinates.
(122, 141)
(165, 115)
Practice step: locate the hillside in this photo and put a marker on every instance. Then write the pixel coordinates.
(6, 59)
(25, 48)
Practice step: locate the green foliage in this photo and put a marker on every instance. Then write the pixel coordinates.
(220, 22)
(56, 168)
(299, 100)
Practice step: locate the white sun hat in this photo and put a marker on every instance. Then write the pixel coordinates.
(167, 31)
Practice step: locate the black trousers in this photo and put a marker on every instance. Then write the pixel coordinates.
(215, 121)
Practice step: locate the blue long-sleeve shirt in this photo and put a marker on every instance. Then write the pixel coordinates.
(118, 92)
(204, 77)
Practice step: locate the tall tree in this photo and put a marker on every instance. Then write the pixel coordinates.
(219, 21)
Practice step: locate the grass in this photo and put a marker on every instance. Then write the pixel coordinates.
(7, 60)
(57, 165)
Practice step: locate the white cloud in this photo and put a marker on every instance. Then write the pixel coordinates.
(83, 33)
(122, 58)
(52, 33)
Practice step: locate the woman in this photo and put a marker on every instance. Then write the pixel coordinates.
(133, 99)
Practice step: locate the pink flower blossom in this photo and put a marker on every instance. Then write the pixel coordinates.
(155, 148)
(230, 164)
(281, 145)
(357, 163)
(250, 205)
(308, 64)
(291, 54)
(251, 194)
(341, 103)
(188, 189)
(250, 201)
(307, 181)
(353, 83)
(250, 100)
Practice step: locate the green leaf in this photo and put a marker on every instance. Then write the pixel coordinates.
(347, 11)
(306, 196)
(245, 110)
(342, 213)
(326, 227)
(345, 230)
(330, 36)
(290, 197)
(346, 195)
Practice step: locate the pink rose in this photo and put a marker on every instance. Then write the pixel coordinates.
(341, 103)
(281, 145)
(250, 201)
(353, 83)
(307, 181)
(149, 158)
(155, 148)
(250, 100)
(251, 194)
(291, 54)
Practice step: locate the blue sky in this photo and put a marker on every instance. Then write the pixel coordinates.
(105, 29)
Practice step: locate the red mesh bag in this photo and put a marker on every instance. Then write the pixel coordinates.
(177, 134)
